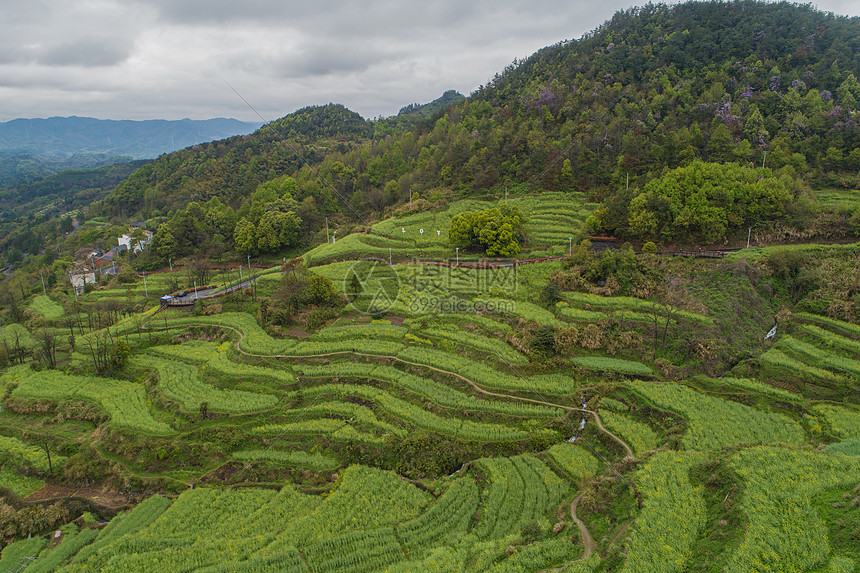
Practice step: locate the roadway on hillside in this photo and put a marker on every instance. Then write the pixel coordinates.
(191, 296)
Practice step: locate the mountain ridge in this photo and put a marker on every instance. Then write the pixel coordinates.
(60, 136)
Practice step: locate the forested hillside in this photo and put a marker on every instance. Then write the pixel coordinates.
(656, 88)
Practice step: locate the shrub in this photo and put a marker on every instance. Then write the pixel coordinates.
(544, 340)
(319, 316)
(566, 338)
(591, 337)
(550, 294)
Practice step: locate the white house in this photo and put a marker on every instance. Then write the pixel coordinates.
(79, 279)
(126, 240)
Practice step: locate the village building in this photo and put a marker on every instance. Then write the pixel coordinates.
(126, 241)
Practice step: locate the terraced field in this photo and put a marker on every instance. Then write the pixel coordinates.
(123, 401)
(371, 520)
(181, 382)
(822, 348)
(432, 439)
(553, 219)
(714, 423)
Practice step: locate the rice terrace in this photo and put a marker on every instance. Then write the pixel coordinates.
(601, 315)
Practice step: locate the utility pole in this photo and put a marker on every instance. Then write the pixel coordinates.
(195, 290)
(327, 239)
(44, 291)
(389, 256)
(145, 290)
(570, 239)
(171, 265)
(749, 233)
(410, 198)
(458, 256)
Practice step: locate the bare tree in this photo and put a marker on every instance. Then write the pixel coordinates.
(48, 347)
(100, 345)
(200, 271)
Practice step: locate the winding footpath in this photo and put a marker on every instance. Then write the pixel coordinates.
(587, 540)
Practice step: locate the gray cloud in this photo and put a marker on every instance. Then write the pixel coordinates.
(140, 59)
(86, 53)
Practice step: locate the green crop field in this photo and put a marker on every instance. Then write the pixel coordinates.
(843, 422)
(216, 357)
(553, 218)
(715, 423)
(775, 357)
(406, 411)
(637, 304)
(47, 307)
(760, 387)
(817, 356)
(318, 462)
(521, 490)
(574, 460)
(607, 364)
(181, 382)
(436, 392)
(672, 514)
(125, 402)
(639, 436)
(14, 452)
(20, 485)
(850, 328)
(776, 539)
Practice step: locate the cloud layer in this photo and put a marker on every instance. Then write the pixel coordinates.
(142, 59)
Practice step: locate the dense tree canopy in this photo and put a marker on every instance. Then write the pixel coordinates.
(706, 200)
(496, 231)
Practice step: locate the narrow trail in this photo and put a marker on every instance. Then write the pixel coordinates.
(589, 546)
(472, 383)
(102, 497)
(587, 540)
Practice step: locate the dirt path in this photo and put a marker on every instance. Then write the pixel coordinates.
(611, 435)
(99, 496)
(589, 546)
(587, 540)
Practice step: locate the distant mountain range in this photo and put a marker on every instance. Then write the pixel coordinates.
(63, 137)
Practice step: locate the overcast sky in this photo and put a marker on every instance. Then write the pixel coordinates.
(170, 59)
